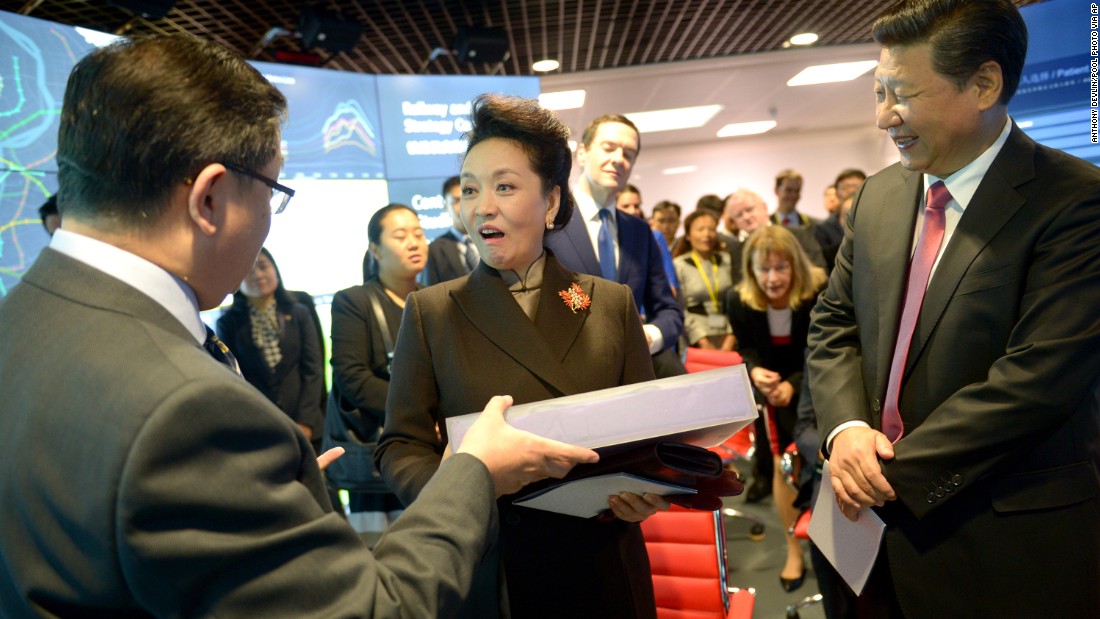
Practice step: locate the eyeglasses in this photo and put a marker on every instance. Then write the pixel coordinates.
(280, 194)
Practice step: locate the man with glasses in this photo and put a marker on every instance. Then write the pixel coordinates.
(142, 476)
(452, 254)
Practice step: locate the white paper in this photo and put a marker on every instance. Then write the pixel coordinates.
(587, 497)
(850, 546)
(703, 409)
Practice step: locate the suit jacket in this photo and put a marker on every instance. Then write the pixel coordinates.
(804, 221)
(999, 467)
(640, 267)
(142, 478)
(295, 385)
(463, 342)
(445, 260)
(360, 363)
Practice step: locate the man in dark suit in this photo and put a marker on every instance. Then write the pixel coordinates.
(606, 155)
(452, 254)
(142, 476)
(985, 373)
(748, 212)
(830, 232)
(788, 191)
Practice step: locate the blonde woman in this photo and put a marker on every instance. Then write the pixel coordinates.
(769, 312)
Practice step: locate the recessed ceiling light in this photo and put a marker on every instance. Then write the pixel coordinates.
(672, 119)
(543, 66)
(687, 169)
(752, 128)
(562, 100)
(826, 73)
(804, 38)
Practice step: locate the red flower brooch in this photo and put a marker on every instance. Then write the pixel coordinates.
(574, 298)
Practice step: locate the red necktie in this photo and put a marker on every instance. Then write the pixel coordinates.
(928, 247)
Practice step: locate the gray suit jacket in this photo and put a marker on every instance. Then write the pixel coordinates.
(999, 468)
(143, 478)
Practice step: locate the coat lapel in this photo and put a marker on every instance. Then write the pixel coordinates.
(490, 308)
(628, 238)
(560, 324)
(995, 202)
(579, 244)
(890, 246)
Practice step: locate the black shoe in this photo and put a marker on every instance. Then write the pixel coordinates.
(792, 584)
(758, 491)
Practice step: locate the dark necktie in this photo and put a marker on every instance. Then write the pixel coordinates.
(920, 269)
(472, 257)
(220, 351)
(607, 247)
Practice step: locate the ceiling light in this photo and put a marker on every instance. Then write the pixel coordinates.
(563, 100)
(687, 169)
(825, 73)
(544, 66)
(670, 120)
(804, 38)
(752, 128)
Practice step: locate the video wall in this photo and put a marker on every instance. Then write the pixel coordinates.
(352, 144)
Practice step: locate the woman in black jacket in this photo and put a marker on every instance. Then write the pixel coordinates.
(276, 344)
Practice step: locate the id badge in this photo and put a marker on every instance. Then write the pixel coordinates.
(716, 322)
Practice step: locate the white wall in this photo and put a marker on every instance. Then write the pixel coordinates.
(752, 162)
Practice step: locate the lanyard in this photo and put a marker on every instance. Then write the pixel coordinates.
(712, 289)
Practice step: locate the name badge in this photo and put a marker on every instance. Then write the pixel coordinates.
(717, 322)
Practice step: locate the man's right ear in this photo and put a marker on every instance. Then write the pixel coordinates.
(207, 199)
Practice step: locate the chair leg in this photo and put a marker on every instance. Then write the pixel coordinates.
(792, 609)
(756, 532)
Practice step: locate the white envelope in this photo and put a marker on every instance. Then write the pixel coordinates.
(704, 409)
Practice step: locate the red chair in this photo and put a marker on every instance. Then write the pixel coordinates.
(738, 448)
(687, 555)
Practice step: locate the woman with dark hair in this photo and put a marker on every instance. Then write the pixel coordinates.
(706, 275)
(770, 315)
(524, 325)
(365, 322)
(276, 345)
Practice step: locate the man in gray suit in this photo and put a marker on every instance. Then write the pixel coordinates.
(141, 476)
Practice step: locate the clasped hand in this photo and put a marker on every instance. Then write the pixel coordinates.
(856, 471)
(772, 386)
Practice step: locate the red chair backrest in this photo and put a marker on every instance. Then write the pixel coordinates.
(699, 360)
(687, 554)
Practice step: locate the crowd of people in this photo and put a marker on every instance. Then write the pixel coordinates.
(931, 326)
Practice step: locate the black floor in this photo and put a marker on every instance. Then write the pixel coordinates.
(756, 564)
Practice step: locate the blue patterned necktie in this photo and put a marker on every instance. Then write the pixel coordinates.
(607, 247)
(220, 351)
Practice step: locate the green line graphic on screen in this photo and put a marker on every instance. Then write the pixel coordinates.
(349, 127)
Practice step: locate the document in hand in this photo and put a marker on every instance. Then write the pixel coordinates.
(650, 438)
(704, 409)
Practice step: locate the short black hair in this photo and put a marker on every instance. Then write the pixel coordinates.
(667, 205)
(538, 132)
(848, 173)
(590, 131)
(449, 184)
(628, 188)
(712, 203)
(963, 34)
(140, 117)
(684, 246)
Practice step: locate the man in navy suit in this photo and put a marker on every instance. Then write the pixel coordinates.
(606, 156)
(451, 255)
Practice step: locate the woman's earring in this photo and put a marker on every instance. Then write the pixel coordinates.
(549, 225)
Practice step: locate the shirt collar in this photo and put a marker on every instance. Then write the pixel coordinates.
(172, 293)
(590, 211)
(964, 183)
